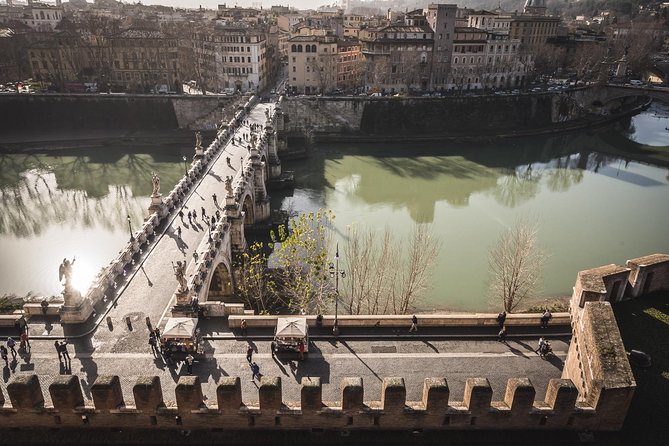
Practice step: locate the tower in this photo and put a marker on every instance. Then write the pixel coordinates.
(535, 7)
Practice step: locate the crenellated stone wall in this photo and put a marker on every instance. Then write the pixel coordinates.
(188, 408)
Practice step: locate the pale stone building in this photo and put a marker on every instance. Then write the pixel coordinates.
(312, 64)
(398, 57)
(144, 58)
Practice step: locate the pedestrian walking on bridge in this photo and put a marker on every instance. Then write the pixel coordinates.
(249, 354)
(189, 363)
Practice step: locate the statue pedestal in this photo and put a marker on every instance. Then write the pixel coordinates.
(156, 203)
(76, 309)
(183, 297)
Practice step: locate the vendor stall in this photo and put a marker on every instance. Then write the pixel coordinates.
(290, 333)
(180, 335)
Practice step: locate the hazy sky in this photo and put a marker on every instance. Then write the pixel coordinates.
(213, 4)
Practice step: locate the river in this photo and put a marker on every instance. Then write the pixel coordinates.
(593, 206)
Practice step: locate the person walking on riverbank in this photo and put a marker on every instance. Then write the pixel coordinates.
(414, 324)
(11, 345)
(501, 336)
(25, 340)
(501, 318)
(3, 353)
(255, 371)
(63, 349)
(547, 316)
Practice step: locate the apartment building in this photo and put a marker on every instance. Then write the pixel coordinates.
(398, 57)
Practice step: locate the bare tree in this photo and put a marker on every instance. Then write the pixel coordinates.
(325, 67)
(516, 264)
(385, 275)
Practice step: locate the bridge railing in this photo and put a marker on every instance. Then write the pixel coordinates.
(111, 275)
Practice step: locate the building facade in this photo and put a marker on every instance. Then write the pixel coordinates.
(398, 57)
(312, 64)
(441, 18)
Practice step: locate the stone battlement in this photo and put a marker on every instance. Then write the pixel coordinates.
(561, 409)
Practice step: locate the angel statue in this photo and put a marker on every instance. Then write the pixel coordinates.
(180, 273)
(65, 270)
(198, 139)
(228, 186)
(156, 184)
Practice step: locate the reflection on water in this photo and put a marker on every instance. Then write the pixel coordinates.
(594, 208)
(589, 204)
(65, 205)
(651, 127)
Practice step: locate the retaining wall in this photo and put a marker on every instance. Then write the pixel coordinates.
(38, 113)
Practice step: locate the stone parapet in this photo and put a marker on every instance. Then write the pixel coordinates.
(424, 320)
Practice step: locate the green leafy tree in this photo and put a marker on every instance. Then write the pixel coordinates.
(256, 286)
(301, 258)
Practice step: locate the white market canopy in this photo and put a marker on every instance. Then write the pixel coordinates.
(291, 327)
(180, 327)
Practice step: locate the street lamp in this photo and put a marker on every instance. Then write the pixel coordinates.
(335, 272)
(132, 237)
(185, 166)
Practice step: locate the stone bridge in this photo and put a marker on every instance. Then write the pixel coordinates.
(609, 98)
(236, 167)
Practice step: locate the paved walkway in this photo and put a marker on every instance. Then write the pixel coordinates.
(331, 360)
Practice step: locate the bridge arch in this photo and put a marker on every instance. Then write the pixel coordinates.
(247, 207)
(221, 285)
(265, 164)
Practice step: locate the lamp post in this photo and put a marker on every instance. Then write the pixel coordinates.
(335, 272)
(185, 166)
(132, 237)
